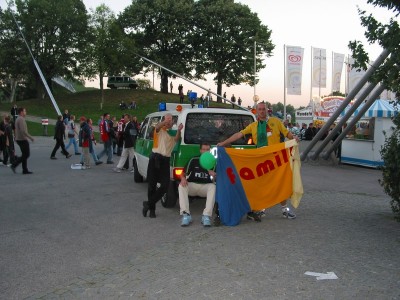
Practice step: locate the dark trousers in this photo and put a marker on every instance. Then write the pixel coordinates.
(59, 143)
(8, 152)
(25, 152)
(157, 172)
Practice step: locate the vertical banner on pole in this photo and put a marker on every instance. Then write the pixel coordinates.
(294, 67)
(355, 75)
(338, 60)
(319, 68)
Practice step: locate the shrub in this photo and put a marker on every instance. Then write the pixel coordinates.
(390, 153)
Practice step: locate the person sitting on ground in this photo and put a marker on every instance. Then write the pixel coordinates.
(196, 181)
(123, 105)
(132, 105)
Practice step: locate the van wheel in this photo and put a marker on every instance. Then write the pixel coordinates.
(133, 87)
(136, 176)
(113, 87)
(171, 196)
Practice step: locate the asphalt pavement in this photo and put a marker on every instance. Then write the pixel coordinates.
(80, 234)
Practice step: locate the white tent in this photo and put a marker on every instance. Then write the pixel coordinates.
(380, 108)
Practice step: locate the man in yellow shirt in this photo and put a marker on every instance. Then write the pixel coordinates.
(265, 131)
(158, 169)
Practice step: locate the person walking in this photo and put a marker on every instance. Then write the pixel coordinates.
(128, 151)
(59, 136)
(92, 151)
(21, 136)
(71, 134)
(105, 135)
(158, 168)
(265, 131)
(85, 141)
(9, 150)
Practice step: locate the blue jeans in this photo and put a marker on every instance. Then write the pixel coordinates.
(95, 158)
(72, 141)
(107, 150)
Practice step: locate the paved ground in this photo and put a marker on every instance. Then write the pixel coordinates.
(72, 234)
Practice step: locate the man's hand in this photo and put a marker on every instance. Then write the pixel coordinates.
(184, 181)
(212, 173)
(180, 127)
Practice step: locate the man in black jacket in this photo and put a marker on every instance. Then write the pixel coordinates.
(128, 151)
(59, 136)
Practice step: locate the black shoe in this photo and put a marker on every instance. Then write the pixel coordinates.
(77, 153)
(27, 172)
(53, 157)
(110, 162)
(152, 213)
(145, 208)
(98, 162)
(13, 168)
(217, 221)
(68, 155)
(255, 216)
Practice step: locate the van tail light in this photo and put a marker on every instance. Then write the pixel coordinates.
(177, 172)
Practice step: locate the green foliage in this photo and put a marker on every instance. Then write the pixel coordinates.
(161, 28)
(388, 74)
(37, 129)
(143, 84)
(223, 35)
(390, 153)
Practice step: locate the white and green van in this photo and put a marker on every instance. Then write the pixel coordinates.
(210, 125)
(115, 82)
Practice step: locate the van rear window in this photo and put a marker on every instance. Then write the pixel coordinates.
(214, 127)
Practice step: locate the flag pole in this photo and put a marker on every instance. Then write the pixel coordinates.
(332, 83)
(320, 73)
(284, 82)
(311, 85)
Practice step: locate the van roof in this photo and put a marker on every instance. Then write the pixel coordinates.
(186, 111)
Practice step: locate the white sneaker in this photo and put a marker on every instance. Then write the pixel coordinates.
(117, 170)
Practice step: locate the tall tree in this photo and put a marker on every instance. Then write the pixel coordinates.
(111, 52)
(387, 36)
(14, 58)
(223, 38)
(56, 32)
(161, 28)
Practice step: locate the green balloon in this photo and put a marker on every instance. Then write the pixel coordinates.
(207, 161)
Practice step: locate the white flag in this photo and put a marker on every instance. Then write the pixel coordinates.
(319, 68)
(294, 67)
(338, 60)
(355, 75)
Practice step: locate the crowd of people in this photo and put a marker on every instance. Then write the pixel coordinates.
(118, 138)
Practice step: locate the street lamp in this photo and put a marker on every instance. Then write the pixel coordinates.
(255, 66)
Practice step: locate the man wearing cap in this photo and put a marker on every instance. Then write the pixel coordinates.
(265, 131)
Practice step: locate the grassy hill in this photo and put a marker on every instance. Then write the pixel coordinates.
(87, 103)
